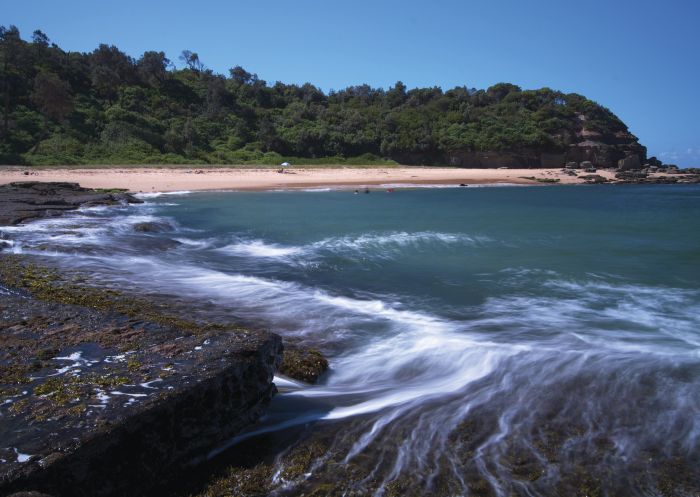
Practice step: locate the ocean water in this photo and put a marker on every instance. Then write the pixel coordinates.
(482, 341)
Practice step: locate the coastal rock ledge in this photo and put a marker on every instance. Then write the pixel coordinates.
(25, 200)
(98, 404)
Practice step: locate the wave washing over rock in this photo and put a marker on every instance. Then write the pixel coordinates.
(480, 341)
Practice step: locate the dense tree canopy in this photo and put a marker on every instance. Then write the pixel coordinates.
(106, 107)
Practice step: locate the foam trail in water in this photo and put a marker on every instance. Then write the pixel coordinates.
(258, 248)
(149, 195)
(366, 246)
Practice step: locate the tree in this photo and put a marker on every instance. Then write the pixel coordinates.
(39, 38)
(191, 60)
(153, 67)
(134, 110)
(10, 43)
(216, 95)
(396, 95)
(500, 90)
(110, 68)
(52, 96)
(240, 75)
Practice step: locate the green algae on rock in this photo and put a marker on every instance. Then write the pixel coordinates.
(304, 364)
(89, 378)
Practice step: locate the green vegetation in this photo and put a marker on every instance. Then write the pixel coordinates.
(105, 107)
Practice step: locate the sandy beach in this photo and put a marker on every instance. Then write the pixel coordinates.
(178, 179)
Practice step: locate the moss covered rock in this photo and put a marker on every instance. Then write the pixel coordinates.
(304, 364)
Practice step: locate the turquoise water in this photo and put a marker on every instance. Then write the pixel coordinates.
(527, 311)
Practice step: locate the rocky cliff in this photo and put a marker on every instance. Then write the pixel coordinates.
(578, 145)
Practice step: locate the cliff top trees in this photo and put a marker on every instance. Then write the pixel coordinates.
(122, 109)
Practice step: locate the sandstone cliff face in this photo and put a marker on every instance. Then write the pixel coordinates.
(600, 154)
(603, 150)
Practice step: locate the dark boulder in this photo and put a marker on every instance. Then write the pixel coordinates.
(152, 227)
(303, 364)
(629, 163)
(630, 175)
(653, 161)
(594, 179)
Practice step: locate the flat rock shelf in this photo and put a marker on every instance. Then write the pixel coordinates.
(26, 200)
(96, 403)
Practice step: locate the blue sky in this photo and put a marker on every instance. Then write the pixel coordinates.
(639, 58)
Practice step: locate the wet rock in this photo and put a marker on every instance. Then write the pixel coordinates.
(25, 200)
(541, 180)
(101, 395)
(630, 175)
(152, 227)
(594, 179)
(304, 364)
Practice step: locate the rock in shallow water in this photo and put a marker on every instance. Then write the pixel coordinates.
(25, 200)
(152, 227)
(303, 364)
(95, 402)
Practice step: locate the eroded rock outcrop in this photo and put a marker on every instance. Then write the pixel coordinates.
(103, 394)
(26, 200)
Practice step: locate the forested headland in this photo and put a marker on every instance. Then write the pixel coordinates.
(105, 107)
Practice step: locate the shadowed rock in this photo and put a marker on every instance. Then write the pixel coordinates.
(22, 201)
(151, 227)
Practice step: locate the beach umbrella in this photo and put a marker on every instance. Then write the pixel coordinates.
(285, 164)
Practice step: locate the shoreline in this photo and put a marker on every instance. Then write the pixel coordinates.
(144, 180)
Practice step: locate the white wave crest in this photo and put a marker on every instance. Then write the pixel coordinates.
(371, 245)
(258, 248)
(160, 194)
